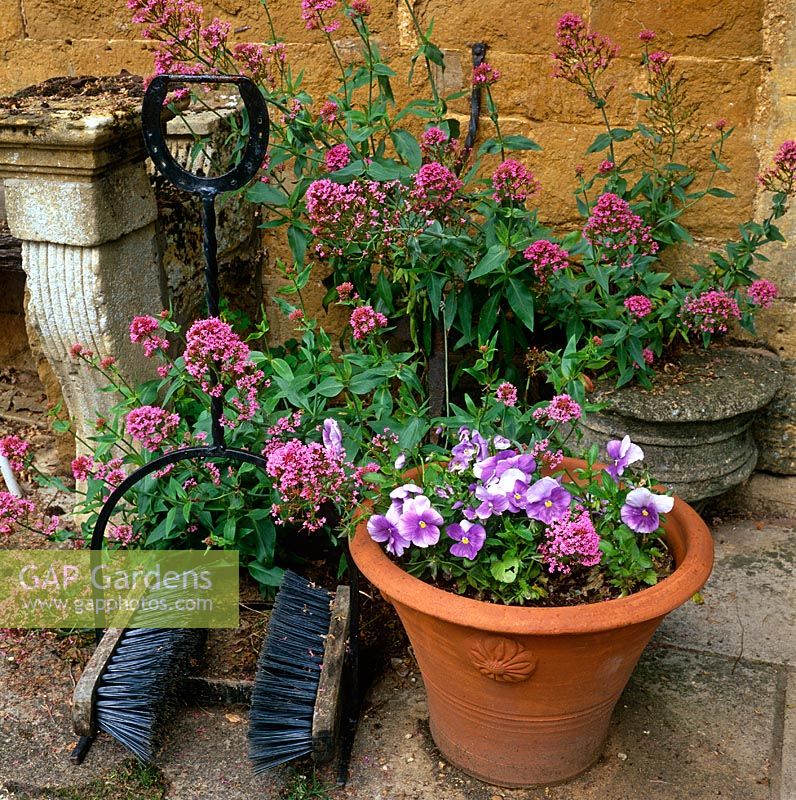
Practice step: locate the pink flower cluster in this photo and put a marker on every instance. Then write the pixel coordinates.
(15, 450)
(123, 534)
(710, 312)
(311, 11)
(562, 408)
(151, 426)
(507, 394)
(143, 331)
(485, 75)
(217, 357)
(638, 305)
(762, 293)
(781, 177)
(337, 157)
(582, 54)
(82, 467)
(616, 230)
(364, 320)
(307, 476)
(657, 61)
(14, 511)
(328, 112)
(571, 540)
(434, 186)
(546, 257)
(606, 167)
(513, 182)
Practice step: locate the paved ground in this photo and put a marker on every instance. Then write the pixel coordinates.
(710, 713)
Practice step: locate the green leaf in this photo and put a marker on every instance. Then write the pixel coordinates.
(266, 194)
(267, 576)
(297, 239)
(621, 134)
(521, 302)
(282, 369)
(329, 387)
(601, 142)
(407, 147)
(506, 570)
(495, 258)
(716, 192)
(367, 381)
(515, 142)
(486, 322)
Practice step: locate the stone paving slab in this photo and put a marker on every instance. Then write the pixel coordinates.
(689, 725)
(749, 608)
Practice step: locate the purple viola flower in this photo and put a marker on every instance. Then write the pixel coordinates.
(419, 522)
(403, 492)
(463, 453)
(500, 442)
(505, 483)
(546, 500)
(469, 513)
(469, 538)
(642, 509)
(481, 444)
(517, 497)
(332, 437)
(384, 528)
(622, 453)
(493, 502)
(486, 468)
(400, 461)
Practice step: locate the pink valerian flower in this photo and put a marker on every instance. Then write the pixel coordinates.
(308, 476)
(432, 138)
(507, 394)
(143, 331)
(360, 8)
(648, 355)
(562, 408)
(485, 75)
(76, 350)
(546, 257)
(513, 182)
(15, 449)
(337, 157)
(720, 124)
(122, 534)
(217, 357)
(311, 11)
(657, 61)
(638, 305)
(112, 472)
(606, 167)
(582, 54)
(82, 467)
(216, 33)
(295, 315)
(642, 509)
(710, 312)
(364, 320)
(163, 370)
(345, 291)
(762, 293)
(571, 541)
(14, 511)
(646, 36)
(151, 426)
(617, 232)
(781, 176)
(107, 362)
(434, 185)
(328, 112)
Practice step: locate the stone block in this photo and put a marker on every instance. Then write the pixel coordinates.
(777, 325)
(78, 19)
(762, 496)
(82, 212)
(527, 26)
(11, 22)
(711, 30)
(775, 431)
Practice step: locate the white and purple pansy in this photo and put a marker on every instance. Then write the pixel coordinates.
(642, 509)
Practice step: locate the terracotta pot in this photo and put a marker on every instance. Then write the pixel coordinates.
(523, 696)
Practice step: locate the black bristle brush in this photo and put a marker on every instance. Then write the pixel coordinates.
(128, 685)
(298, 688)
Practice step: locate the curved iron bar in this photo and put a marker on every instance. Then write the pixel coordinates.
(479, 54)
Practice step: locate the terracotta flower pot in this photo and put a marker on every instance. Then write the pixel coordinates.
(523, 696)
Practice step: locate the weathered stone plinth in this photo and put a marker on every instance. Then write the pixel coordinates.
(693, 426)
(78, 197)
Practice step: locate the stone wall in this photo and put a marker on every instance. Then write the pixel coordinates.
(740, 58)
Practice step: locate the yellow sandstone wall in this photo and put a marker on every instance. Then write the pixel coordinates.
(739, 56)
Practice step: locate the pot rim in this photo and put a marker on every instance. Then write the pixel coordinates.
(686, 532)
